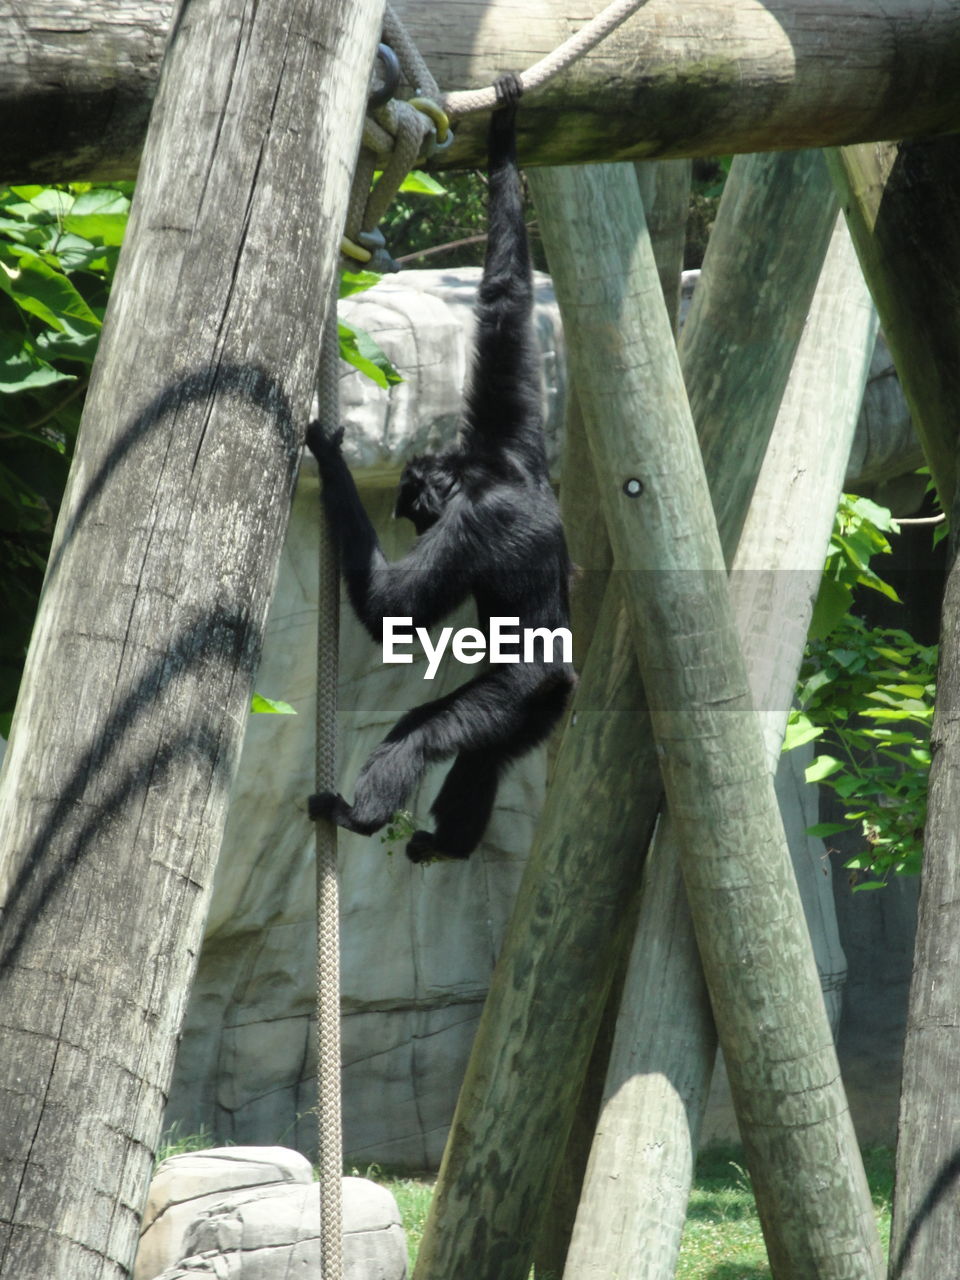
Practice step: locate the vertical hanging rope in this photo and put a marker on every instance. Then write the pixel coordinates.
(329, 1135)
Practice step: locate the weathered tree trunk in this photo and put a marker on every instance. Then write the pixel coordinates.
(635, 1193)
(137, 685)
(665, 191)
(675, 79)
(578, 894)
(811, 1191)
(903, 204)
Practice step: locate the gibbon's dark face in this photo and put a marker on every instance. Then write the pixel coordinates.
(425, 488)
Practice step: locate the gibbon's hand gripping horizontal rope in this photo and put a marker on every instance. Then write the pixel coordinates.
(581, 42)
(398, 133)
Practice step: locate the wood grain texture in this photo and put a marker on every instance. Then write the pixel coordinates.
(924, 1235)
(811, 1191)
(137, 684)
(638, 1180)
(691, 78)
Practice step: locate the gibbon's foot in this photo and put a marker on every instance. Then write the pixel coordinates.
(322, 444)
(323, 805)
(509, 90)
(333, 807)
(421, 848)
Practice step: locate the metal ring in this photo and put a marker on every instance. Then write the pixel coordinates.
(436, 113)
(391, 77)
(354, 251)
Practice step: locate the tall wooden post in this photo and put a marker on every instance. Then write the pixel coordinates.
(137, 685)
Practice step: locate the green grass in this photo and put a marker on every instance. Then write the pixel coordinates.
(174, 1142)
(722, 1238)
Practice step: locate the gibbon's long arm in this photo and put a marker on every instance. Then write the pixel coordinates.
(502, 409)
(424, 585)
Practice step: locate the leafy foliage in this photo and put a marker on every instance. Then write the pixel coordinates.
(865, 695)
(59, 248)
(58, 251)
(263, 706)
(859, 534)
(445, 227)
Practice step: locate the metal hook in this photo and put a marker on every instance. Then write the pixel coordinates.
(391, 77)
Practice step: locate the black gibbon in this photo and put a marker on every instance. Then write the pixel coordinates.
(489, 527)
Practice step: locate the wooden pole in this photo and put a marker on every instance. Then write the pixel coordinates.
(635, 1193)
(903, 208)
(137, 684)
(811, 1191)
(902, 205)
(677, 79)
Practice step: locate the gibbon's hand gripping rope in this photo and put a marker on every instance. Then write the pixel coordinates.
(399, 131)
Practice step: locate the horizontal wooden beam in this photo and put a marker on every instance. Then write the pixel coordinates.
(680, 77)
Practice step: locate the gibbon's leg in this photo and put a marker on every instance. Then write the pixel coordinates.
(489, 713)
(462, 809)
(384, 782)
(465, 802)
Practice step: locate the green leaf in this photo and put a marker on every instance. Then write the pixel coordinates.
(845, 657)
(799, 731)
(875, 514)
(907, 710)
(22, 370)
(893, 655)
(352, 282)
(846, 786)
(39, 290)
(259, 705)
(908, 690)
(422, 183)
(47, 199)
(822, 829)
(822, 767)
(78, 340)
(360, 350)
(833, 602)
(872, 580)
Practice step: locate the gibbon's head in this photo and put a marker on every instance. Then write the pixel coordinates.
(426, 486)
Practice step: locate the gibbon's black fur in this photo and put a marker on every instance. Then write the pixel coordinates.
(489, 527)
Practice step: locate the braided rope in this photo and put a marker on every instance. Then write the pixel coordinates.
(469, 100)
(398, 131)
(409, 127)
(329, 1133)
(414, 69)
